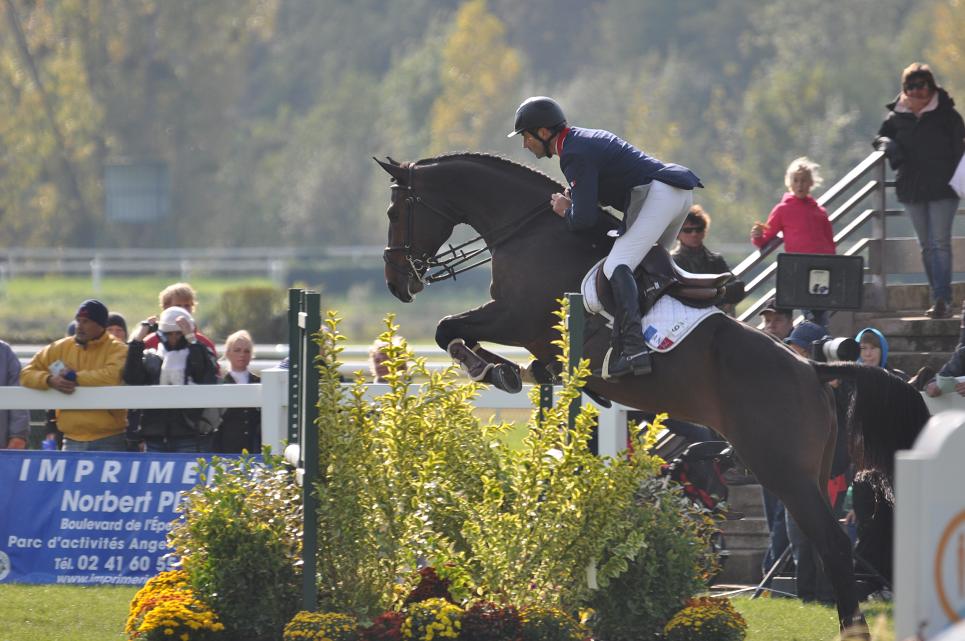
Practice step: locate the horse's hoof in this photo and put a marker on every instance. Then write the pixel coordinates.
(506, 378)
(855, 628)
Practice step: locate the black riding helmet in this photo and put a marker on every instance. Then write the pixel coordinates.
(536, 112)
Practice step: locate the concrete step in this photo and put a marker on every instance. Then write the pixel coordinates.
(910, 362)
(917, 296)
(943, 344)
(753, 527)
(742, 566)
(746, 499)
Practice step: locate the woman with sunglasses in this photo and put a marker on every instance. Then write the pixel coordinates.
(923, 138)
(693, 256)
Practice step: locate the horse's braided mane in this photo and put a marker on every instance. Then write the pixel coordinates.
(500, 160)
(491, 158)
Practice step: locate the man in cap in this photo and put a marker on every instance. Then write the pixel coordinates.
(778, 321)
(89, 358)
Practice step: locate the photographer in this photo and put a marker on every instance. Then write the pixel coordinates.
(180, 359)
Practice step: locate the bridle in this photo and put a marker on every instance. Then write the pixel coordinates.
(453, 261)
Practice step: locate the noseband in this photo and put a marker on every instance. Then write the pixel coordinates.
(452, 261)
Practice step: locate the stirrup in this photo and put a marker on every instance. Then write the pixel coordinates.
(638, 365)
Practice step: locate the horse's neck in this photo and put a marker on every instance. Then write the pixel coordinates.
(491, 199)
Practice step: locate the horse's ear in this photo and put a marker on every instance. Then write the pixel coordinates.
(393, 169)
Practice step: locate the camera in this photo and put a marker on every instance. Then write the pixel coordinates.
(841, 348)
(151, 327)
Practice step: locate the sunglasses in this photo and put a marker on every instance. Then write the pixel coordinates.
(692, 230)
(918, 84)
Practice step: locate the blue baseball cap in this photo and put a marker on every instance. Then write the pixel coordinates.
(805, 334)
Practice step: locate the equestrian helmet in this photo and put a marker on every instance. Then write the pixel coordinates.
(536, 112)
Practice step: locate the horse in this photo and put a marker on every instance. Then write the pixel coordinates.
(772, 405)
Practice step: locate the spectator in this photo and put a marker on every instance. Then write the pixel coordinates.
(802, 220)
(378, 355)
(14, 424)
(871, 513)
(950, 371)
(874, 351)
(693, 256)
(240, 426)
(180, 295)
(778, 321)
(117, 327)
(923, 138)
(90, 358)
(180, 359)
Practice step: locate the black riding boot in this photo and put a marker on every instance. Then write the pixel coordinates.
(629, 353)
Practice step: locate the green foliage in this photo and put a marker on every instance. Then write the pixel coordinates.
(266, 111)
(662, 561)
(706, 619)
(319, 626)
(413, 474)
(240, 529)
(260, 310)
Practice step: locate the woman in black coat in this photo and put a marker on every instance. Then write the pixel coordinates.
(924, 137)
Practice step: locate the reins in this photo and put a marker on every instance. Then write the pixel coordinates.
(452, 261)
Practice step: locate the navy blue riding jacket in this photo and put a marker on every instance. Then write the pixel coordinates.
(602, 169)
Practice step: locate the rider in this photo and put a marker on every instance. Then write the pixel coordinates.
(603, 169)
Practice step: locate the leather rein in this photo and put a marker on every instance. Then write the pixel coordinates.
(453, 261)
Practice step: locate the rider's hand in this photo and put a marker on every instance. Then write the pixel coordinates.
(561, 203)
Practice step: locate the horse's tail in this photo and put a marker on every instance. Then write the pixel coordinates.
(886, 414)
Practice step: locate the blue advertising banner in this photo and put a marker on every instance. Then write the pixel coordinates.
(89, 517)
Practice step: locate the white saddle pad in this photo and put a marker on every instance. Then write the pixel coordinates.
(666, 324)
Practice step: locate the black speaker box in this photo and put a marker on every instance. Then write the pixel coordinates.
(819, 281)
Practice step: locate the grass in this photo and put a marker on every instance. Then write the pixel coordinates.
(63, 613)
(74, 613)
(43, 306)
(38, 309)
(790, 620)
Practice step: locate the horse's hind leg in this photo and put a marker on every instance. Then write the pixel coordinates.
(810, 509)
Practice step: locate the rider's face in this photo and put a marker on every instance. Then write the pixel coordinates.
(534, 144)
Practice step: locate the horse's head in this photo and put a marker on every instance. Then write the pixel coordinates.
(417, 229)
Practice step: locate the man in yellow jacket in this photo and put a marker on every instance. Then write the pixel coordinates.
(89, 358)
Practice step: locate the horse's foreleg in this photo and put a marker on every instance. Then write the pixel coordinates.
(460, 334)
(812, 513)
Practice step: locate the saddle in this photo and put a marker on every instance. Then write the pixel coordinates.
(658, 275)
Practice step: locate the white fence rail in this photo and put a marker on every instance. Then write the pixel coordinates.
(271, 395)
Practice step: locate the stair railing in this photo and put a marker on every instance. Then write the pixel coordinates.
(866, 180)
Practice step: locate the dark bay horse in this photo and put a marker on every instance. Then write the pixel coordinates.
(774, 407)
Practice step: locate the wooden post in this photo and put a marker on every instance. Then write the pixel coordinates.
(575, 324)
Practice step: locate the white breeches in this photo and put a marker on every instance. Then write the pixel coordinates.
(659, 221)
